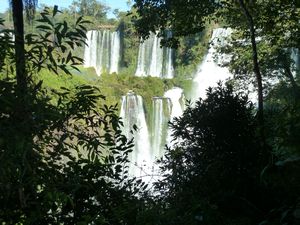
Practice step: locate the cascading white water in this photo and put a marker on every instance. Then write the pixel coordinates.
(169, 63)
(161, 117)
(177, 106)
(156, 62)
(102, 56)
(209, 72)
(177, 101)
(153, 60)
(90, 50)
(102, 51)
(148, 148)
(115, 52)
(132, 113)
(142, 61)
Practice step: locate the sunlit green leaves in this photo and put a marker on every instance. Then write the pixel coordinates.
(52, 48)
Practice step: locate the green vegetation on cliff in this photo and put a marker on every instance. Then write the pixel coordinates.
(113, 86)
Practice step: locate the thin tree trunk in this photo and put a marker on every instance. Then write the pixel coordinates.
(17, 9)
(256, 67)
(21, 113)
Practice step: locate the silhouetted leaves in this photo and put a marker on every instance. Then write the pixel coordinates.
(66, 163)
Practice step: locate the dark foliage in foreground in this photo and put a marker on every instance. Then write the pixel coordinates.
(67, 164)
(217, 173)
(63, 158)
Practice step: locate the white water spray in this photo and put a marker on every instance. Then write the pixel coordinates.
(177, 106)
(209, 72)
(102, 51)
(132, 113)
(154, 60)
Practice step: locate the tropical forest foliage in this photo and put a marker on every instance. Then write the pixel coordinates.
(64, 158)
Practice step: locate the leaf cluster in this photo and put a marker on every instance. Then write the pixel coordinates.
(63, 161)
(181, 17)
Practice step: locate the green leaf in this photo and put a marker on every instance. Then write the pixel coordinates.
(44, 27)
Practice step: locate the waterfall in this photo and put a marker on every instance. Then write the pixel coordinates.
(102, 56)
(141, 65)
(90, 50)
(147, 148)
(115, 52)
(177, 106)
(177, 101)
(102, 51)
(169, 68)
(154, 60)
(209, 72)
(132, 113)
(161, 116)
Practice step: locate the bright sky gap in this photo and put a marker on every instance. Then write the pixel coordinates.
(113, 4)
